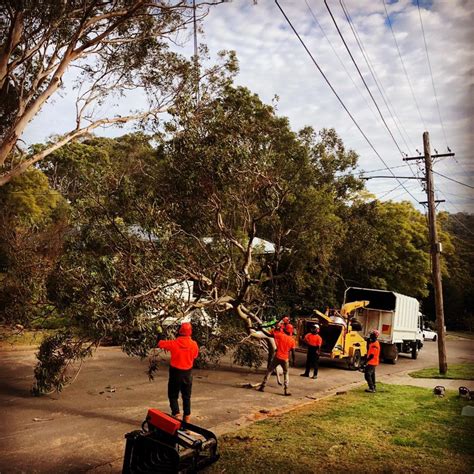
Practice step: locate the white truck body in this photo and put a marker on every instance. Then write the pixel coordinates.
(395, 316)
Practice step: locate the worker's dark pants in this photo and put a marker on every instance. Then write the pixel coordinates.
(180, 381)
(312, 360)
(273, 365)
(370, 376)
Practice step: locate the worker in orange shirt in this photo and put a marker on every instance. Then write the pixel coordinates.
(314, 342)
(289, 329)
(183, 351)
(284, 343)
(373, 358)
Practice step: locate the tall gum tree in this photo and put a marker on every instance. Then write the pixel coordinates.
(115, 46)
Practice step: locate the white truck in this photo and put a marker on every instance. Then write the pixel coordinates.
(397, 318)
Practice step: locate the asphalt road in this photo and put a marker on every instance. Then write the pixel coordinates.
(82, 429)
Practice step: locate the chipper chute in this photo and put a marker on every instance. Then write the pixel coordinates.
(167, 445)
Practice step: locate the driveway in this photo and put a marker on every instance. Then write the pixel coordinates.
(82, 429)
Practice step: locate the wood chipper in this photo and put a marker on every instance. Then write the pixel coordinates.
(167, 445)
(339, 331)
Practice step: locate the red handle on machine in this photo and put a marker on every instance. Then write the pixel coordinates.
(162, 421)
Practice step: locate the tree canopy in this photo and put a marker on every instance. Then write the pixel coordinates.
(228, 202)
(113, 46)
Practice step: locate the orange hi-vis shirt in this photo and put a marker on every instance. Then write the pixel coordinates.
(313, 340)
(183, 351)
(374, 348)
(284, 344)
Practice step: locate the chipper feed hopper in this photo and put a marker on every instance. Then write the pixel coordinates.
(340, 333)
(167, 445)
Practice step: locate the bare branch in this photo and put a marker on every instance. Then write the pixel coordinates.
(75, 134)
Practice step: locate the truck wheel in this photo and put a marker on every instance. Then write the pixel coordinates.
(354, 361)
(434, 338)
(414, 350)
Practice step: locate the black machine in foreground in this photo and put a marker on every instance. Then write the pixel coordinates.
(167, 445)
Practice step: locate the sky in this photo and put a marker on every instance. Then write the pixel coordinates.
(273, 62)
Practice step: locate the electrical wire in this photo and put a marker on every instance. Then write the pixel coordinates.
(453, 216)
(383, 169)
(391, 190)
(385, 97)
(338, 97)
(378, 83)
(341, 62)
(403, 66)
(452, 179)
(431, 74)
(461, 196)
(399, 196)
(351, 78)
(362, 77)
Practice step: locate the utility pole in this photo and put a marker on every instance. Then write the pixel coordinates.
(435, 249)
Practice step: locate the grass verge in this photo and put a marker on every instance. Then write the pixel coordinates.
(12, 338)
(460, 334)
(398, 429)
(464, 371)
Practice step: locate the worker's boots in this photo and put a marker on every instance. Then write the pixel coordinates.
(287, 393)
(187, 419)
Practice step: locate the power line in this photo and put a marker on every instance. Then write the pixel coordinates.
(431, 73)
(354, 83)
(361, 76)
(457, 220)
(391, 191)
(457, 161)
(377, 82)
(337, 95)
(399, 195)
(403, 65)
(340, 60)
(454, 180)
(461, 196)
(383, 169)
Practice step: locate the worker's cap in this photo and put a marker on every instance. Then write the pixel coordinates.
(185, 329)
(286, 319)
(374, 332)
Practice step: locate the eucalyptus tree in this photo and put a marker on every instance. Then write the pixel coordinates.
(228, 197)
(106, 48)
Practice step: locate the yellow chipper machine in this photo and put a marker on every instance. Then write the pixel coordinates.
(339, 330)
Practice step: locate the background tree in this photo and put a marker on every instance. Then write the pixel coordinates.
(458, 275)
(115, 46)
(33, 221)
(385, 246)
(313, 222)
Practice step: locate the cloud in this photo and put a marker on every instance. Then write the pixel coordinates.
(272, 61)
